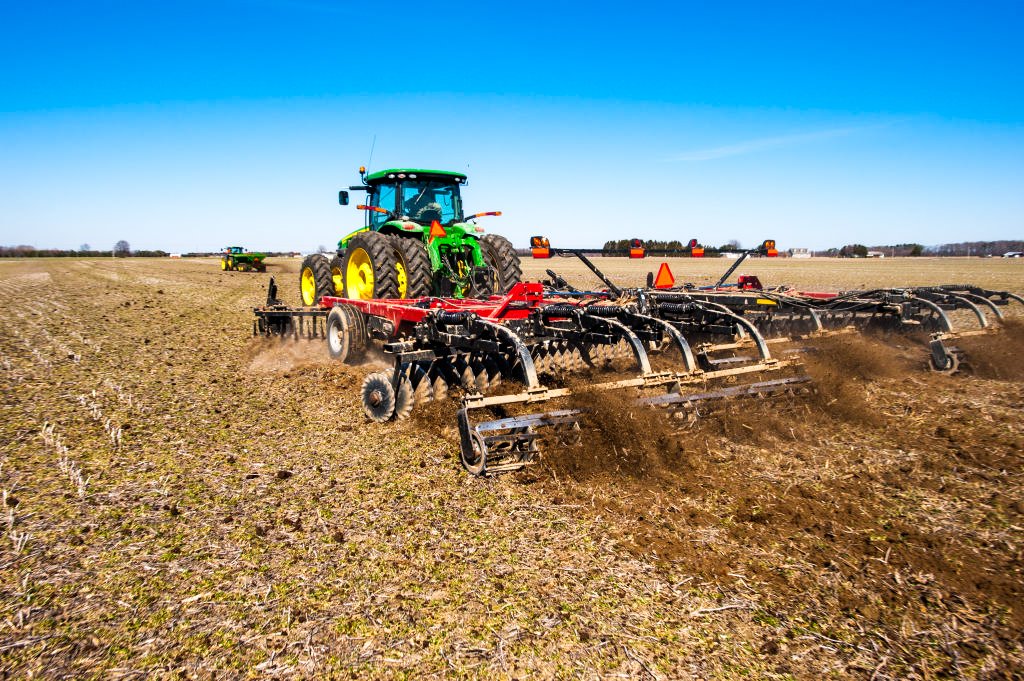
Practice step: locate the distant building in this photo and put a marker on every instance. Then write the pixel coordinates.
(875, 254)
(174, 255)
(1014, 254)
(799, 253)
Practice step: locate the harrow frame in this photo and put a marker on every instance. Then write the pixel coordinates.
(719, 334)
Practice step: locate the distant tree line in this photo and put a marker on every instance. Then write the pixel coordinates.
(979, 248)
(120, 250)
(673, 247)
(976, 248)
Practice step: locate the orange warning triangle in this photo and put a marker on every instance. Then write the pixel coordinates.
(436, 230)
(664, 278)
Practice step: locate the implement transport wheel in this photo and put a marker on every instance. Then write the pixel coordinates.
(380, 402)
(315, 279)
(370, 267)
(501, 257)
(412, 266)
(260, 266)
(337, 266)
(346, 333)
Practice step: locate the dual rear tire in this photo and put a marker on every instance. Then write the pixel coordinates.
(315, 280)
(499, 255)
(377, 265)
(385, 266)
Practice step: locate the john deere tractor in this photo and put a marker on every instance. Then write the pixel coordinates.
(416, 241)
(237, 258)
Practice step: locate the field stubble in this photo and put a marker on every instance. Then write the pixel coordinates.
(246, 520)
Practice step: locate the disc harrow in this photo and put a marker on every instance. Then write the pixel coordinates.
(543, 343)
(502, 353)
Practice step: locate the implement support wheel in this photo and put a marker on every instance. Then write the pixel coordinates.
(474, 461)
(346, 333)
(315, 279)
(369, 267)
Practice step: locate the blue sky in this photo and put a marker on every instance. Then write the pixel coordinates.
(191, 125)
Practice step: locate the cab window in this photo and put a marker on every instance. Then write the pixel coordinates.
(427, 200)
(384, 197)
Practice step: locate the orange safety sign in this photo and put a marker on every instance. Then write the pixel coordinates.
(664, 278)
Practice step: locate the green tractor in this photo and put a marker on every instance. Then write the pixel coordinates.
(237, 258)
(416, 242)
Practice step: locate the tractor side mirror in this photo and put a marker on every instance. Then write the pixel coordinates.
(343, 197)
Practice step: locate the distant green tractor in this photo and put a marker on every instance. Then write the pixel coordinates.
(237, 258)
(416, 242)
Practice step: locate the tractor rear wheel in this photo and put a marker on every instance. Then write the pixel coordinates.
(501, 257)
(337, 269)
(412, 266)
(370, 267)
(315, 279)
(223, 263)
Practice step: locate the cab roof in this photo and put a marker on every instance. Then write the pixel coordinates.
(393, 173)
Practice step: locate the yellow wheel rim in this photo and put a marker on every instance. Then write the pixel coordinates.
(308, 286)
(223, 264)
(403, 279)
(339, 281)
(359, 275)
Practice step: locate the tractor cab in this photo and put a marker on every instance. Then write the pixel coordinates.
(416, 241)
(234, 249)
(412, 195)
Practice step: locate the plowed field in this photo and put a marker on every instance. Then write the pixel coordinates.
(182, 501)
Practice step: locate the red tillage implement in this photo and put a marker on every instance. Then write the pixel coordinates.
(670, 348)
(473, 345)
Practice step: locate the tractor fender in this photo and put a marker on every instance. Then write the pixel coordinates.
(402, 227)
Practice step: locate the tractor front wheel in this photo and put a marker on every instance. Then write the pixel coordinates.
(224, 263)
(370, 268)
(498, 253)
(412, 266)
(315, 279)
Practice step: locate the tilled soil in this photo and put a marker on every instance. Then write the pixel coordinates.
(181, 500)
